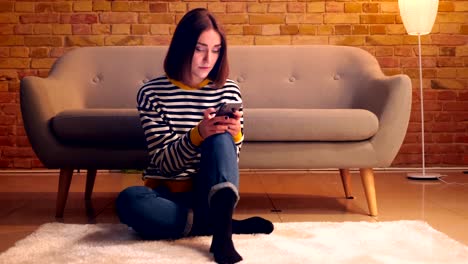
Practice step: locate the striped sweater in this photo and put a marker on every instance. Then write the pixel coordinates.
(169, 113)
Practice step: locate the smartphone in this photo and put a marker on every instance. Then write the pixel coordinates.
(228, 109)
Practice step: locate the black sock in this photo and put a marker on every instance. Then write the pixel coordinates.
(222, 207)
(252, 225)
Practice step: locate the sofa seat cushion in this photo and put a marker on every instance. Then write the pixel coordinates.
(117, 128)
(274, 124)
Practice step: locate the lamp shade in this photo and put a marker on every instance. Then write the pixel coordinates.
(418, 15)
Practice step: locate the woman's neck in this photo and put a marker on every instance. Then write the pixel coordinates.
(186, 86)
(194, 83)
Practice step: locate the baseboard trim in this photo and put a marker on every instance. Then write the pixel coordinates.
(391, 169)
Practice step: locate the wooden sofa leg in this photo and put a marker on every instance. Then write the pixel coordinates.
(367, 177)
(90, 178)
(63, 188)
(346, 180)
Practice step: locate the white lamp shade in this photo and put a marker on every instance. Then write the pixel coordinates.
(418, 15)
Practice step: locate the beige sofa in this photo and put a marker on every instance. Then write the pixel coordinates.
(306, 107)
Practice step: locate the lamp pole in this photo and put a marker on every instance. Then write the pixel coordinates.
(423, 175)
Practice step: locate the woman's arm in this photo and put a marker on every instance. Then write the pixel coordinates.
(169, 152)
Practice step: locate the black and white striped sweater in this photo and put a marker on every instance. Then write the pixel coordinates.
(169, 113)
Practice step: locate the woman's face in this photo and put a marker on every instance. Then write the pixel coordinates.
(205, 55)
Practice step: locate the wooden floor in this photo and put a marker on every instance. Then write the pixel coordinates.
(27, 200)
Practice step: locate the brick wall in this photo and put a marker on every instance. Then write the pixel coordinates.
(34, 33)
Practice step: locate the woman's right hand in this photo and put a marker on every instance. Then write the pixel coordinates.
(211, 124)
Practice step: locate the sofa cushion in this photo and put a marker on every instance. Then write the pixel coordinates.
(121, 127)
(109, 127)
(275, 124)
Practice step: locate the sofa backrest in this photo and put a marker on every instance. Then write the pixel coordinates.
(315, 76)
(109, 77)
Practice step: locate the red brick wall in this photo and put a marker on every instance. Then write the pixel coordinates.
(34, 33)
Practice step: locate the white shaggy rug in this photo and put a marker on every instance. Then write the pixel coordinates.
(308, 242)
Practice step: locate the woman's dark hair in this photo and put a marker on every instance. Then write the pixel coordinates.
(178, 60)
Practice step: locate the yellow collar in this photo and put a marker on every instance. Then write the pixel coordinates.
(187, 87)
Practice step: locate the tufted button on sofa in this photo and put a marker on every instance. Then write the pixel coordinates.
(305, 107)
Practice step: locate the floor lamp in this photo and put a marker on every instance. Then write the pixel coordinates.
(418, 18)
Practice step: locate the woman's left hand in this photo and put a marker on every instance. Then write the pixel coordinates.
(233, 123)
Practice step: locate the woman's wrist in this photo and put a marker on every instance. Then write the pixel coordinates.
(238, 138)
(195, 136)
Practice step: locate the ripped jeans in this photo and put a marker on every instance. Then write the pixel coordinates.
(159, 214)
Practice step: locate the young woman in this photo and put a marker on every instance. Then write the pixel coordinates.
(191, 183)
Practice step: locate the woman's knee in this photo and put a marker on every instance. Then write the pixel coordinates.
(127, 198)
(132, 193)
(217, 141)
(219, 138)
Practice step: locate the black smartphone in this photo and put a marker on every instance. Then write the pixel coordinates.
(228, 109)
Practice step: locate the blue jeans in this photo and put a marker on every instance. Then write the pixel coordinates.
(160, 214)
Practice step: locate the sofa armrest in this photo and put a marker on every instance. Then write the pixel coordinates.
(40, 100)
(389, 98)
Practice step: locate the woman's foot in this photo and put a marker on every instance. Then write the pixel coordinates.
(224, 251)
(252, 225)
(222, 207)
